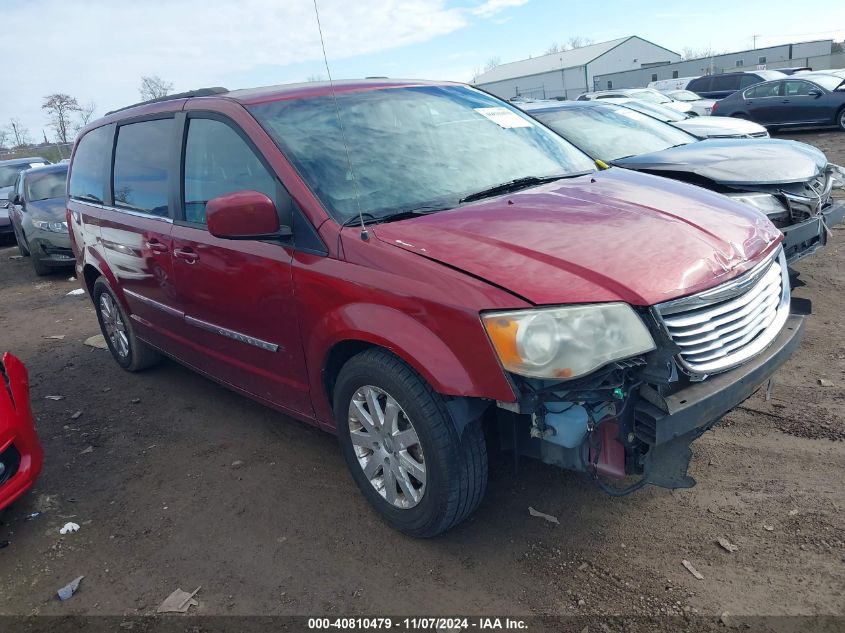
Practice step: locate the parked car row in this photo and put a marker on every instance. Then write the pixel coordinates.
(428, 271)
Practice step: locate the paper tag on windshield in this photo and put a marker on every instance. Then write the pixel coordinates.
(503, 117)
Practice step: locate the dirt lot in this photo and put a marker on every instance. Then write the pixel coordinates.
(177, 482)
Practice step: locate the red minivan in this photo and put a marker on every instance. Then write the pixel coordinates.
(427, 272)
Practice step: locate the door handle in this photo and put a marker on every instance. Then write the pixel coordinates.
(155, 246)
(186, 254)
(785, 101)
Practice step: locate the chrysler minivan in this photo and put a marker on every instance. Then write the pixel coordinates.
(429, 273)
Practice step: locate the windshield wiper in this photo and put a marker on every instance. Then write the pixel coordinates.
(515, 185)
(369, 218)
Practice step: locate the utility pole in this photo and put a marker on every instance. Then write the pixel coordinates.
(754, 40)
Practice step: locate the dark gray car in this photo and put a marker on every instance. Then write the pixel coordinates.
(791, 183)
(9, 170)
(37, 216)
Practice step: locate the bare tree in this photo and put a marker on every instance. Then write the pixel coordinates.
(492, 63)
(154, 87)
(578, 42)
(553, 48)
(315, 77)
(86, 113)
(60, 106)
(697, 53)
(20, 135)
(5, 135)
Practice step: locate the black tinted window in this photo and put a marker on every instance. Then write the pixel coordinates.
(218, 161)
(702, 84)
(89, 170)
(725, 82)
(749, 80)
(141, 162)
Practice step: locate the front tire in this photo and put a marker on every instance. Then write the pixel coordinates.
(126, 348)
(41, 269)
(403, 449)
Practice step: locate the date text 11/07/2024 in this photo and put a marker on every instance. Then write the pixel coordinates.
(417, 624)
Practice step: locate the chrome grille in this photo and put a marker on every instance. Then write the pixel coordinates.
(723, 327)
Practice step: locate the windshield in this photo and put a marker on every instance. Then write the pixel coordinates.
(412, 147)
(684, 95)
(656, 110)
(9, 173)
(649, 95)
(828, 82)
(612, 132)
(49, 184)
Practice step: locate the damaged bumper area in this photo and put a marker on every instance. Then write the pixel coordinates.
(634, 421)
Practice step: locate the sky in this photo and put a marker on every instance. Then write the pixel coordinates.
(97, 50)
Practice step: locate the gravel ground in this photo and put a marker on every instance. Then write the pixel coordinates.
(177, 482)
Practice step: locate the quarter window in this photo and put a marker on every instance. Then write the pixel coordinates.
(218, 161)
(797, 88)
(89, 171)
(141, 162)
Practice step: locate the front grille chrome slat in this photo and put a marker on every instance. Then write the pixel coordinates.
(721, 328)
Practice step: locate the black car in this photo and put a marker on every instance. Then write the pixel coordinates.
(38, 218)
(790, 182)
(720, 86)
(800, 101)
(9, 170)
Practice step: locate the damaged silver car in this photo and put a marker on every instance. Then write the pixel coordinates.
(791, 183)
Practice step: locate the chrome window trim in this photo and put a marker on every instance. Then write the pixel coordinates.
(140, 214)
(232, 334)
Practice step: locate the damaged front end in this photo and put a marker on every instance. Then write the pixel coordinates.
(632, 422)
(803, 211)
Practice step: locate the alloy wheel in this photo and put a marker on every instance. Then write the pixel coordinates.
(387, 447)
(113, 324)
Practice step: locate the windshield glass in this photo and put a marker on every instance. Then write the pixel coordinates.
(9, 174)
(684, 95)
(612, 132)
(41, 186)
(828, 82)
(656, 110)
(413, 147)
(650, 95)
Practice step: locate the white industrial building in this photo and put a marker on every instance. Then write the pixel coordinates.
(569, 73)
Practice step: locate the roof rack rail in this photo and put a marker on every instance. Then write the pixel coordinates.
(202, 92)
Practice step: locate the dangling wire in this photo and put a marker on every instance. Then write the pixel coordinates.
(364, 233)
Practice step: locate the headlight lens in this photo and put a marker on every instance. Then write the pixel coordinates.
(49, 225)
(566, 342)
(764, 202)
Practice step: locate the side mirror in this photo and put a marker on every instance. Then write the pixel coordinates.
(813, 92)
(244, 215)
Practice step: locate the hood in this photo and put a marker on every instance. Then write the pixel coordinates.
(610, 236)
(736, 161)
(5, 193)
(706, 126)
(50, 209)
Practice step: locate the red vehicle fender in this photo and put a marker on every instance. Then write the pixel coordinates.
(17, 428)
(411, 341)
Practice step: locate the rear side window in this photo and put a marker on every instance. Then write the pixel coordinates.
(771, 89)
(725, 82)
(218, 161)
(749, 80)
(141, 162)
(702, 84)
(88, 176)
(796, 88)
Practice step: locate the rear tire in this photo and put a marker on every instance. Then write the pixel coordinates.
(840, 119)
(447, 472)
(126, 348)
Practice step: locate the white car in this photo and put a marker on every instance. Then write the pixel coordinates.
(700, 126)
(643, 94)
(678, 83)
(701, 106)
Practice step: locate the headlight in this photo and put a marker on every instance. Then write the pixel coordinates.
(566, 342)
(47, 225)
(4, 204)
(764, 202)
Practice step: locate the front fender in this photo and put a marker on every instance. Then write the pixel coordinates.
(461, 370)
